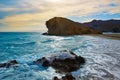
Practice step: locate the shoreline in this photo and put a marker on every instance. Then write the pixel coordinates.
(111, 36)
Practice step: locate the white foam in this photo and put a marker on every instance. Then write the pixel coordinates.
(62, 55)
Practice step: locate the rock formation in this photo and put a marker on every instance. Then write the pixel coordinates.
(64, 27)
(63, 62)
(66, 77)
(8, 64)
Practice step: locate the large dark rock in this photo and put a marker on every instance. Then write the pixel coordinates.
(67, 65)
(63, 61)
(66, 77)
(43, 61)
(64, 27)
(8, 64)
(55, 78)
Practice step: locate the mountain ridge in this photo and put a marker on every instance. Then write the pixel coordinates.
(111, 25)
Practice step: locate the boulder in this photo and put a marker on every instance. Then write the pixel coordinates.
(55, 78)
(64, 27)
(63, 61)
(66, 77)
(8, 64)
(43, 61)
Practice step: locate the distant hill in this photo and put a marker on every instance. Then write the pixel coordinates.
(105, 26)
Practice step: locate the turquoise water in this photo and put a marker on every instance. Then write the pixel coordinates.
(102, 56)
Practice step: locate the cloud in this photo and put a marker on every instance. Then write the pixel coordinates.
(42, 10)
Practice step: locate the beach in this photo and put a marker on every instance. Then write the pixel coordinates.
(111, 36)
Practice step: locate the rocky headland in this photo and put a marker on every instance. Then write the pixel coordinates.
(60, 26)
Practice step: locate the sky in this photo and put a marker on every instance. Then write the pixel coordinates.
(31, 15)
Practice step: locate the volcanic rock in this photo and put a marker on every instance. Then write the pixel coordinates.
(63, 61)
(8, 64)
(66, 77)
(64, 27)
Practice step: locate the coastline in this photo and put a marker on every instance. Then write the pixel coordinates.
(88, 46)
(111, 36)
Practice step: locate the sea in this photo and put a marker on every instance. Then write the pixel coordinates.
(102, 55)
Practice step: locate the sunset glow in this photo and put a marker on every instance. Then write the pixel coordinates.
(30, 15)
(53, 0)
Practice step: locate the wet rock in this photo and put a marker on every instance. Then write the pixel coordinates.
(63, 62)
(64, 27)
(43, 61)
(55, 78)
(66, 77)
(2, 65)
(8, 64)
(45, 33)
(66, 65)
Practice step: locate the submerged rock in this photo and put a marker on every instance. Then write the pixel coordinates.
(64, 27)
(63, 62)
(8, 64)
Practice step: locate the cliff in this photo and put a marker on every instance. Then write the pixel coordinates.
(64, 27)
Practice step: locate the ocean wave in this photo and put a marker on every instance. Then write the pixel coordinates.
(102, 56)
(18, 44)
(47, 41)
(29, 43)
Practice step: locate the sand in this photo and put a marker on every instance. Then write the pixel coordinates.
(112, 36)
